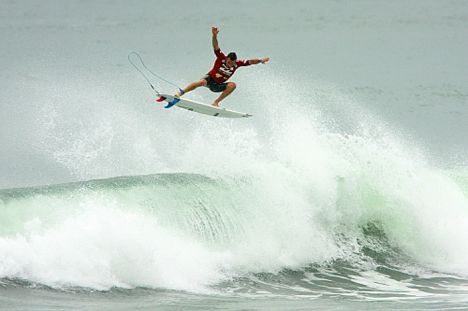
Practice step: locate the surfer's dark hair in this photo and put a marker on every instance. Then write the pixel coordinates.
(232, 56)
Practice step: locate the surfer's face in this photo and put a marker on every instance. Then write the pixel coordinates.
(229, 62)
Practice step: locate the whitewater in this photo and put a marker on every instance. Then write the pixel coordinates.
(306, 213)
(348, 189)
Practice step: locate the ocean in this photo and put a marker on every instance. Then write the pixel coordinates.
(346, 190)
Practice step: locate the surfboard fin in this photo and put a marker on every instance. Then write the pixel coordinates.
(172, 102)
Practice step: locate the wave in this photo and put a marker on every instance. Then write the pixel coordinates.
(312, 197)
(197, 233)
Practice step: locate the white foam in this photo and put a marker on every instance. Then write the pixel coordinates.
(301, 192)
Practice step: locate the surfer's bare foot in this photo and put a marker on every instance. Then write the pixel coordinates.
(215, 104)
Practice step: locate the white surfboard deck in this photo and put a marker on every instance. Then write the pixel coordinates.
(206, 109)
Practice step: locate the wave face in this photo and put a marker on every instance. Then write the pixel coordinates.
(396, 234)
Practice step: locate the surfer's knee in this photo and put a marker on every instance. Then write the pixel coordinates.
(202, 82)
(232, 85)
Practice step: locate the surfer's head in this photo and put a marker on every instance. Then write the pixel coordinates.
(231, 59)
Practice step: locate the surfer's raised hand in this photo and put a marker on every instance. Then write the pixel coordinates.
(265, 60)
(214, 39)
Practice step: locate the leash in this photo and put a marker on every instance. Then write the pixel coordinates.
(150, 71)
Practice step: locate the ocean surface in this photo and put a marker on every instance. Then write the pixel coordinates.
(347, 189)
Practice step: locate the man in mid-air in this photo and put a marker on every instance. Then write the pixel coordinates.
(223, 68)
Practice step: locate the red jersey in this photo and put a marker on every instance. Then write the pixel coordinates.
(221, 72)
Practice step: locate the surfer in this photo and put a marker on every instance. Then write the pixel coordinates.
(223, 68)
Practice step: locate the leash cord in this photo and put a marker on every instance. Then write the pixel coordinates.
(149, 70)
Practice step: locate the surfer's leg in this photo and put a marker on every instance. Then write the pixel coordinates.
(231, 86)
(192, 86)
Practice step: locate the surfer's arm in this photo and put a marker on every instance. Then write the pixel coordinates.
(214, 40)
(258, 61)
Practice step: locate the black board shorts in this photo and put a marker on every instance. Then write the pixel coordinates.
(213, 86)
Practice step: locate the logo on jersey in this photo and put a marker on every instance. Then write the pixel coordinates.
(226, 70)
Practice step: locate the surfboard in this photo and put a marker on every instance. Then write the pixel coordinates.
(194, 106)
